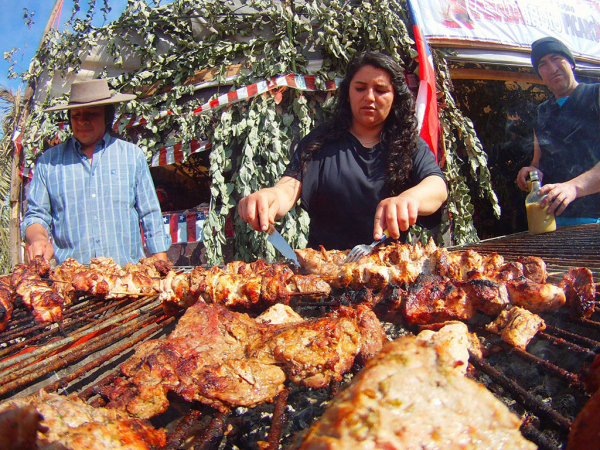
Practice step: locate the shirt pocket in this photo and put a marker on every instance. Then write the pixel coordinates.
(121, 186)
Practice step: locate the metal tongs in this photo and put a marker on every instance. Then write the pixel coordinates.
(363, 249)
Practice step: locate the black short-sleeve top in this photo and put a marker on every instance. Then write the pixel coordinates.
(342, 185)
(569, 139)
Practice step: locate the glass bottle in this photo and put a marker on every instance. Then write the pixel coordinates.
(538, 219)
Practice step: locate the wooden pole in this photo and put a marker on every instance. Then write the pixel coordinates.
(56, 9)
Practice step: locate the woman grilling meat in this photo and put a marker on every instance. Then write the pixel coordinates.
(362, 172)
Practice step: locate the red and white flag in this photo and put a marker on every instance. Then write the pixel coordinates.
(426, 103)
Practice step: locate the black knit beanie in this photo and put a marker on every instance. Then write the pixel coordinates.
(543, 46)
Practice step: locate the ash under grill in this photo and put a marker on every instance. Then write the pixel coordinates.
(543, 384)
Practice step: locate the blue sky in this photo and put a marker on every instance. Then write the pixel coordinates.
(16, 34)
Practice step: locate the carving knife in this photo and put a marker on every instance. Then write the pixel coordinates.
(280, 244)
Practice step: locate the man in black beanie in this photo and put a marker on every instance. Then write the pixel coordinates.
(566, 149)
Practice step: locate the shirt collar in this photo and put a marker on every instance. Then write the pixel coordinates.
(100, 145)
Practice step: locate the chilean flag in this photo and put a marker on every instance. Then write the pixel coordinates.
(426, 103)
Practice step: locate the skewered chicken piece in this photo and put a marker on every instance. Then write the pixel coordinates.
(151, 267)
(68, 422)
(40, 298)
(488, 296)
(580, 290)
(409, 397)
(517, 326)
(535, 297)
(64, 273)
(226, 359)
(7, 301)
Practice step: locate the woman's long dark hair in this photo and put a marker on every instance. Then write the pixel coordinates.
(399, 134)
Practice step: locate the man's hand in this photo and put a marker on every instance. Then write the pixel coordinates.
(39, 247)
(524, 174)
(396, 214)
(558, 196)
(38, 243)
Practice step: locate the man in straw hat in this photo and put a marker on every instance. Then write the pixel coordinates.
(91, 193)
(566, 137)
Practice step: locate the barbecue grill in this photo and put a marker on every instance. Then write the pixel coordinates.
(542, 384)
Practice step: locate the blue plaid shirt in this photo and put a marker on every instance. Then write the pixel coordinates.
(95, 209)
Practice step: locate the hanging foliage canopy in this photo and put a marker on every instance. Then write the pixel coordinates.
(162, 49)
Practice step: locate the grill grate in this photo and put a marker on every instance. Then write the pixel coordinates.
(541, 384)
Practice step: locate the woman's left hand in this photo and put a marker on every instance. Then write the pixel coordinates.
(396, 214)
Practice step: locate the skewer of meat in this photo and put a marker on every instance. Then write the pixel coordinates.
(393, 264)
(107, 279)
(240, 286)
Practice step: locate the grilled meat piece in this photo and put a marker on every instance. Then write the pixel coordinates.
(534, 268)
(535, 297)
(7, 301)
(509, 271)
(279, 314)
(488, 296)
(174, 291)
(40, 298)
(200, 360)
(227, 359)
(72, 424)
(39, 266)
(325, 263)
(19, 428)
(153, 267)
(517, 326)
(436, 299)
(64, 273)
(407, 398)
(455, 339)
(585, 430)
(580, 289)
(456, 265)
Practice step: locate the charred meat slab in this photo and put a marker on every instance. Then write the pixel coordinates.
(227, 359)
(406, 397)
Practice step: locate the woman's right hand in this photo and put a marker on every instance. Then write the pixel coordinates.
(523, 174)
(259, 209)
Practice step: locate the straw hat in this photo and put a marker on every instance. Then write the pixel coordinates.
(86, 94)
